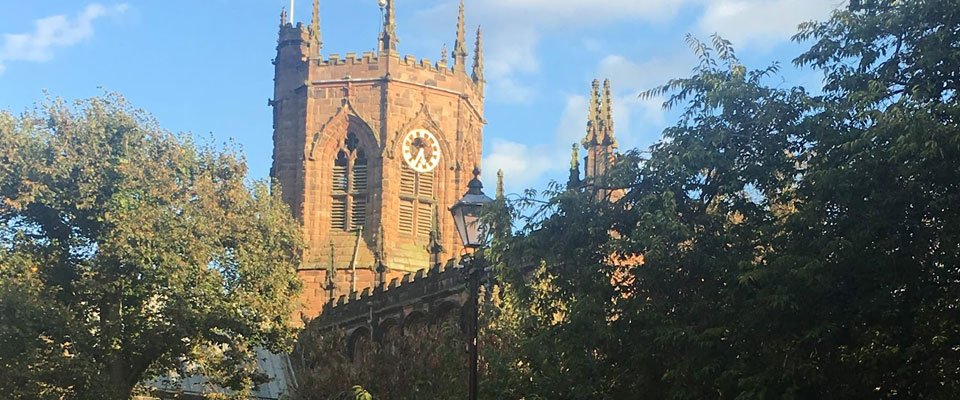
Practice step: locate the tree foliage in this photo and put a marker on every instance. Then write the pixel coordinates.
(774, 243)
(425, 361)
(126, 251)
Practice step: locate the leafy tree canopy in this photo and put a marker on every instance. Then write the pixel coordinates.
(774, 243)
(127, 251)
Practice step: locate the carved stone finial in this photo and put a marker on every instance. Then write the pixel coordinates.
(283, 16)
(378, 257)
(388, 38)
(316, 38)
(575, 157)
(460, 46)
(499, 184)
(478, 58)
(443, 54)
(331, 273)
(607, 115)
(593, 118)
(574, 180)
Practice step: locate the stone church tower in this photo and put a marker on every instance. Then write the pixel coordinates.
(371, 151)
(600, 144)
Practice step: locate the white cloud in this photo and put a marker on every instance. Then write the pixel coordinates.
(522, 164)
(761, 22)
(513, 30)
(52, 32)
(573, 120)
(512, 53)
(630, 78)
(515, 27)
(638, 76)
(567, 13)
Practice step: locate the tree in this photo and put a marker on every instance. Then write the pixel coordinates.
(773, 244)
(425, 361)
(126, 251)
(880, 224)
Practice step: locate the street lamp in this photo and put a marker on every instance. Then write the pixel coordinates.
(466, 217)
(466, 213)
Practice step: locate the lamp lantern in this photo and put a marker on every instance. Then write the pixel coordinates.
(466, 212)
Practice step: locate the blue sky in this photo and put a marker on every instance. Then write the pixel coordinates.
(204, 66)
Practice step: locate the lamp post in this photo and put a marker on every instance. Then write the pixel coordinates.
(466, 217)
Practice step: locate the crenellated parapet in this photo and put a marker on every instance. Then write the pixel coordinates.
(421, 296)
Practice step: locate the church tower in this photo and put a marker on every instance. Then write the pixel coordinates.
(371, 151)
(600, 142)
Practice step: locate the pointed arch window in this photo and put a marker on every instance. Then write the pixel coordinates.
(416, 202)
(349, 186)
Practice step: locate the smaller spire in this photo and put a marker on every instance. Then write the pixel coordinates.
(443, 54)
(460, 47)
(575, 158)
(283, 16)
(478, 58)
(388, 38)
(593, 118)
(607, 114)
(499, 184)
(316, 38)
(574, 180)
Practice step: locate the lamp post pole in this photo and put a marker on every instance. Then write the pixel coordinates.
(473, 286)
(466, 218)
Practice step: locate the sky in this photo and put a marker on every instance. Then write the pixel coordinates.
(204, 67)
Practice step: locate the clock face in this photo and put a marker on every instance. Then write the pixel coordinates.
(421, 150)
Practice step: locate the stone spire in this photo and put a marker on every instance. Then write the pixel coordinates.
(388, 38)
(478, 58)
(316, 38)
(593, 118)
(283, 16)
(574, 180)
(499, 184)
(443, 55)
(606, 115)
(460, 47)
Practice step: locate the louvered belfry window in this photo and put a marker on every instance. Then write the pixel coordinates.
(348, 211)
(416, 202)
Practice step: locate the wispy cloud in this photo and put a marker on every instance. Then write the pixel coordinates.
(761, 23)
(53, 32)
(514, 30)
